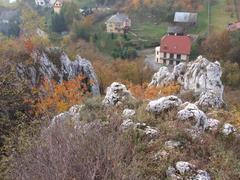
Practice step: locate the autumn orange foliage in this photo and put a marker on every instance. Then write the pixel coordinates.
(28, 45)
(61, 96)
(153, 92)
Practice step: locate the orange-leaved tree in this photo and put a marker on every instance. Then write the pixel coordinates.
(59, 97)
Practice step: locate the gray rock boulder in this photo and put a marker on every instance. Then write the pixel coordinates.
(163, 104)
(212, 124)
(186, 170)
(183, 167)
(127, 124)
(201, 175)
(191, 112)
(150, 132)
(171, 144)
(72, 114)
(228, 129)
(117, 94)
(209, 100)
(127, 113)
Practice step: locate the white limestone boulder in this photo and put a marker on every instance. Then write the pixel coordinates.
(212, 124)
(127, 124)
(210, 100)
(162, 78)
(201, 175)
(184, 167)
(72, 114)
(149, 132)
(186, 170)
(191, 112)
(163, 104)
(117, 94)
(127, 113)
(171, 144)
(228, 129)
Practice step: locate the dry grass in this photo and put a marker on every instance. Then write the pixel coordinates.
(64, 152)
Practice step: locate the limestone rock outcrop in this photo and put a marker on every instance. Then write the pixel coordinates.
(57, 66)
(163, 104)
(117, 94)
(200, 76)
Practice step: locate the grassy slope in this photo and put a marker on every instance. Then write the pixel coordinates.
(220, 17)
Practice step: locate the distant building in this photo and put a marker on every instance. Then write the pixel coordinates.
(40, 2)
(118, 23)
(173, 49)
(175, 30)
(185, 17)
(234, 26)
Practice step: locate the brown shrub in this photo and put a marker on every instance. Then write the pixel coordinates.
(94, 151)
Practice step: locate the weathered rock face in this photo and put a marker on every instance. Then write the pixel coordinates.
(201, 76)
(190, 112)
(163, 104)
(164, 77)
(210, 99)
(57, 68)
(117, 94)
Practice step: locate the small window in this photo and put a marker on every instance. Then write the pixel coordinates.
(171, 56)
(171, 62)
(178, 56)
(164, 61)
(177, 62)
(165, 55)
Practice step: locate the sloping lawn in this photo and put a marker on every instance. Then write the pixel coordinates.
(220, 17)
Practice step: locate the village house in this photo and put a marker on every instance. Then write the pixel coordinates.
(173, 49)
(118, 23)
(234, 26)
(185, 18)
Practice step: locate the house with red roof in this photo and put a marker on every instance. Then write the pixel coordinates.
(173, 49)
